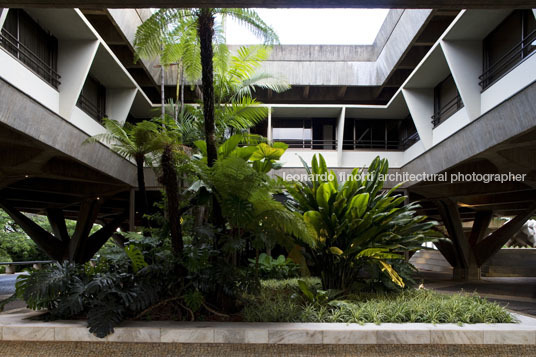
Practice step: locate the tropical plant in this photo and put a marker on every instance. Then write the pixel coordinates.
(242, 188)
(270, 268)
(179, 21)
(133, 142)
(357, 223)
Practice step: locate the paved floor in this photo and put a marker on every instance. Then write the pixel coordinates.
(517, 294)
(7, 288)
(17, 349)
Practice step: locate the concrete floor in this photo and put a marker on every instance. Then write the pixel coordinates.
(7, 288)
(517, 294)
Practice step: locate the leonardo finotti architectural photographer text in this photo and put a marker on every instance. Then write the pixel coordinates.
(410, 177)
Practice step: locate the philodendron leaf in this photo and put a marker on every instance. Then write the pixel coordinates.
(395, 278)
(266, 152)
(229, 145)
(335, 250)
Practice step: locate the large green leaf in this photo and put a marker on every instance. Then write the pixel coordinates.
(229, 145)
(358, 204)
(314, 218)
(266, 152)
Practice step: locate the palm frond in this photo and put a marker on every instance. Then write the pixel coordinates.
(251, 20)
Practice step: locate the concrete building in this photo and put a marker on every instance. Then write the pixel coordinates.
(444, 92)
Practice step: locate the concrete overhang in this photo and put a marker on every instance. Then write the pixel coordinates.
(396, 4)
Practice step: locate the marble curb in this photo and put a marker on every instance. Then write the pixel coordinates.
(18, 327)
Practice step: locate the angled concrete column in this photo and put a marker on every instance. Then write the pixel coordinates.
(3, 15)
(118, 103)
(465, 62)
(74, 62)
(466, 264)
(340, 135)
(420, 103)
(491, 244)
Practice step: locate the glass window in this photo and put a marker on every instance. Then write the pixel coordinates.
(447, 100)
(29, 43)
(507, 45)
(92, 99)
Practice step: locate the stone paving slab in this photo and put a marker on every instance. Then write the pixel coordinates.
(18, 326)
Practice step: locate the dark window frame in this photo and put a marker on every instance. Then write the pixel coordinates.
(405, 137)
(493, 72)
(306, 123)
(97, 110)
(443, 111)
(44, 68)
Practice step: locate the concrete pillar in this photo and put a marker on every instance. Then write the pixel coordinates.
(3, 15)
(10, 269)
(340, 135)
(465, 62)
(118, 103)
(269, 127)
(420, 103)
(74, 61)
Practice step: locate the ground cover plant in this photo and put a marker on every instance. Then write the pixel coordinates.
(284, 301)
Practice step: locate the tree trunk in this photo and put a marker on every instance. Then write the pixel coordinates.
(144, 204)
(162, 86)
(182, 89)
(206, 34)
(170, 182)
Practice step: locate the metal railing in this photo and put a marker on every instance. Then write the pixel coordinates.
(379, 144)
(30, 59)
(447, 110)
(410, 140)
(90, 108)
(310, 144)
(37, 264)
(508, 61)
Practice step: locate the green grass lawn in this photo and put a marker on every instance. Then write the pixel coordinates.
(281, 301)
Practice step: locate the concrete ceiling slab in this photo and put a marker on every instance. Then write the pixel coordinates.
(394, 4)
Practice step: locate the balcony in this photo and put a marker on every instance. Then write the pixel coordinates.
(94, 111)
(35, 63)
(447, 110)
(512, 58)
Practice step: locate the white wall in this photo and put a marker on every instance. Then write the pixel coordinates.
(360, 158)
(291, 157)
(517, 79)
(451, 125)
(86, 123)
(14, 72)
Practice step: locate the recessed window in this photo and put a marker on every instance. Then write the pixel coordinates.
(379, 134)
(30, 44)
(317, 133)
(92, 99)
(509, 44)
(447, 100)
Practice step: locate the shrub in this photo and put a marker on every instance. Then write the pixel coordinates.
(270, 268)
(357, 225)
(119, 286)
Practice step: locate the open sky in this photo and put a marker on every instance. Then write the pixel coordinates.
(314, 26)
